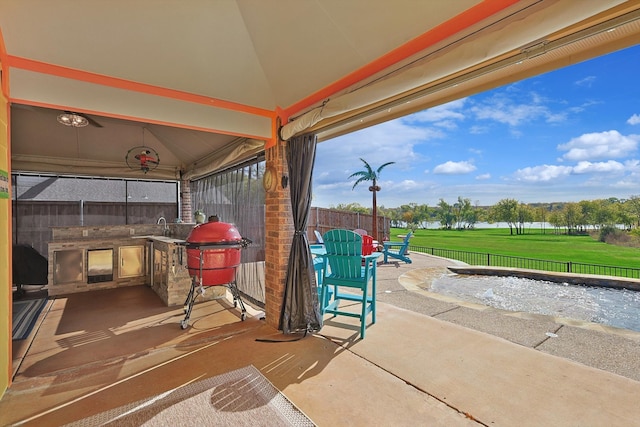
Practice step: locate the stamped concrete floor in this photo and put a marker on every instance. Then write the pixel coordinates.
(421, 363)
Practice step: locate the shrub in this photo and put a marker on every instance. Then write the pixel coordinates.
(607, 231)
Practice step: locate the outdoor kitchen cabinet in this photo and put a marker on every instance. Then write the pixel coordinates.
(159, 273)
(131, 261)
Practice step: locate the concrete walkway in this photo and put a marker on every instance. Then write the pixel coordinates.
(491, 380)
(412, 368)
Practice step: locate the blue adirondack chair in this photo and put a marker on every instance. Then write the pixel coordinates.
(345, 266)
(397, 250)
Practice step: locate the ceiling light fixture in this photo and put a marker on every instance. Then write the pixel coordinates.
(72, 119)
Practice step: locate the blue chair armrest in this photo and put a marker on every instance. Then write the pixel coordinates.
(318, 249)
(393, 244)
(371, 259)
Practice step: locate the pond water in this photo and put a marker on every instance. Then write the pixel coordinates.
(614, 307)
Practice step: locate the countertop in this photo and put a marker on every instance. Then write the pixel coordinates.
(164, 239)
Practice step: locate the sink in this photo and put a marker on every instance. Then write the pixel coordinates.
(164, 239)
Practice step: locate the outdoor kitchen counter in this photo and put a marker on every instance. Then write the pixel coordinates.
(83, 259)
(164, 239)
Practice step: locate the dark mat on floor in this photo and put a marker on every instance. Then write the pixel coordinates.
(25, 314)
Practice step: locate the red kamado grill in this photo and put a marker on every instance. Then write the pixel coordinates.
(213, 256)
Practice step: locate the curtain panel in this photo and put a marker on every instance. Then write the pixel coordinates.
(300, 308)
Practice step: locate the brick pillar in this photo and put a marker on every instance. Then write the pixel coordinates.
(186, 212)
(279, 233)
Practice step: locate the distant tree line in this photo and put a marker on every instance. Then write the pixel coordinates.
(564, 217)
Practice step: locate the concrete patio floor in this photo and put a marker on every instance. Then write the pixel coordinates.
(421, 363)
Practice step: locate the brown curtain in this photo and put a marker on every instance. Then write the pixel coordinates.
(300, 310)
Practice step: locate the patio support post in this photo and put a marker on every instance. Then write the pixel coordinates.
(278, 236)
(6, 296)
(186, 211)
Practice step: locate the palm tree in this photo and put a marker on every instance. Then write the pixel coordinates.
(368, 174)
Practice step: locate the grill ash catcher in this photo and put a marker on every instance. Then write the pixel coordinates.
(213, 256)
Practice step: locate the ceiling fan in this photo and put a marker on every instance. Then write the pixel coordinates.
(67, 118)
(70, 118)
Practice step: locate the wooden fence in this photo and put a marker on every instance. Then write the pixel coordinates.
(323, 220)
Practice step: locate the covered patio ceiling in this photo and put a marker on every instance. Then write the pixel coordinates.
(208, 82)
(40, 143)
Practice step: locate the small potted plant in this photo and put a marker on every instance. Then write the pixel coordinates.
(200, 216)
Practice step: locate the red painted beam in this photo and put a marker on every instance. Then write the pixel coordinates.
(84, 76)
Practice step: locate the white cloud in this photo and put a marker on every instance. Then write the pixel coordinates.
(547, 173)
(483, 176)
(583, 106)
(441, 113)
(556, 117)
(603, 145)
(478, 130)
(454, 168)
(634, 120)
(632, 165)
(447, 124)
(407, 184)
(543, 173)
(333, 186)
(600, 167)
(514, 107)
(587, 81)
(515, 133)
(626, 184)
(503, 109)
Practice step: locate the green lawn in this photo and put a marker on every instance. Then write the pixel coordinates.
(533, 244)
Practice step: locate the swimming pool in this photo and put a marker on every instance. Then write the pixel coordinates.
(614, 307)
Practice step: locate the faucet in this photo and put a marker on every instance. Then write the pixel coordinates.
(165, 230)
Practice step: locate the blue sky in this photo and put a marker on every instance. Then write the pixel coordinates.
(569, 135)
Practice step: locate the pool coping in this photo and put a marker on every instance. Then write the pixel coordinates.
(551, 276)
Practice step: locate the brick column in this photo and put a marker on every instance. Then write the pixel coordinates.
(279, 233)
(186, 212)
